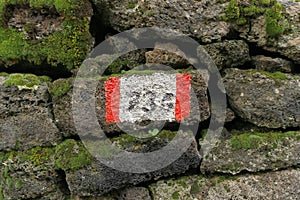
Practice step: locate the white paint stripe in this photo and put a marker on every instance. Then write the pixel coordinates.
(148, 97)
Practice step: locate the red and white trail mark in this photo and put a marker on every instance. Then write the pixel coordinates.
(156, 97)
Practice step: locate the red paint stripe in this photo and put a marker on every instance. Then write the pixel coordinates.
(112, 94)
(183, 105)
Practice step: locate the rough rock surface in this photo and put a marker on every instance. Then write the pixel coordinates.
(97, 179)
(135, 193)
(228, 53)
(30, 174)
(25, 118)
(166, 58)
(286, 44)
(253, 152)
(289, 44)
(264, 99)
(269, 64)
(61, 93)
(271, 185)
(198, 85)
(36, 33)
(196, 18)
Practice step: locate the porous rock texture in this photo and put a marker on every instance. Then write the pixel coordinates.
(228, 53)
(270, 64)
(26, 120)
(100, 179)
(49, 33)
(195, 18)
(273, 185)
(255, 46)
(253, 152)
(264, 99)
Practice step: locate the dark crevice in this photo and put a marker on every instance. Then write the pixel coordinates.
(62, 182)
(202, 126)
(296, 68)
(257, 50)
(99, 27)
(247, 173)
(240, 126)
(74, 137)
(189, 172)
(54, 73)
(150, 194)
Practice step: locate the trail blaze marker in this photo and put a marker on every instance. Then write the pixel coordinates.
(153, 97)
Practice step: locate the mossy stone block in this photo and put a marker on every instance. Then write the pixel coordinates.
(39, 32)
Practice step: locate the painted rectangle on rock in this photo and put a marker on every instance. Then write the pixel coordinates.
(155, 97)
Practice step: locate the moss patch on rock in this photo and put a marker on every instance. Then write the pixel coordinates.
(67, 45)
(4, 74)
(37, 155)
(71, 155)
(26, 80)
(59, 88)
(277, 76)
(241, 12)
(253, 140)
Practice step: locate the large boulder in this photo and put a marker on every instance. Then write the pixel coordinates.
(26, 118)
(199, 19)
(253, 152)
(269, 64)
(96, 178)
(270, 185)
(265, 99)
(228, 53)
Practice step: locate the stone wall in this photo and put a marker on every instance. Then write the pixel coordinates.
(254, 44)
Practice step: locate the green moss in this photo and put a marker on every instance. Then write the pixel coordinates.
(227, 188)
(101, 148)
(242, 13)
(275, 23)
(195, 188)
(71, 155)
(275, 75)
(66, 47)
(3, 74)
(126, 139)
(37, 155)
(232, 11)
(241, 21)
(232, 166)
(204, 133)
(59, 88)
(254, 140)
(28, 80)
(175, 195)
(132, 3)
(5, 178)
(118, 65)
